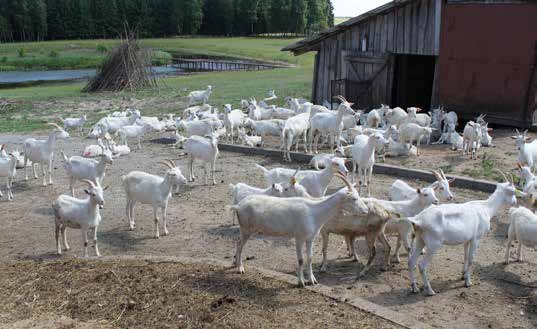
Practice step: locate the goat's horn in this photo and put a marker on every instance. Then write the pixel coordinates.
(436, 174)
(90, 183)
(166, 164)
(345, 180)
(54, 125)
(519, 165)
(171, 163)
(517, 132)
(442, 173)
(504, 175)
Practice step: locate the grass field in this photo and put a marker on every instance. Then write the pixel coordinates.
(46, 102)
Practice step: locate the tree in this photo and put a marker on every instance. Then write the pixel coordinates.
(37, 15)
(297, 15)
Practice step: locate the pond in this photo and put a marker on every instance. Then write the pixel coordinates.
(22, 77)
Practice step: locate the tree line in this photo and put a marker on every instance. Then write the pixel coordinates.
(30, 20)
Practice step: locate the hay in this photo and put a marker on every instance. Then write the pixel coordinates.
(126, 67)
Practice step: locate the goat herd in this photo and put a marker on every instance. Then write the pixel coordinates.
(295, 204)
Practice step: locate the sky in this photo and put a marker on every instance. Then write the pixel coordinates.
(351, 8)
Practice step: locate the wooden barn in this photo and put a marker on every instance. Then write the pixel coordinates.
(469, 56)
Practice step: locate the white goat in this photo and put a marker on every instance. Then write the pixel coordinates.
(363, 157)
(84, 214)
(412, 132)
(133, 131)
(203, 149)
(74, 123)
(199, 96)
(282, 113)
(258, 113)
(152, 189)
(265, 128)
(527, 152)
(79, 168)
(252, 141)
(402, 191)
(421, 119)
(295, 105)
(471, 139)
(454, 224)
(294, 128)
(8, 169)
(297, 218)
(233, 120)
(397, 149)
(112, 124)
(196, 128)
(522, 228)
(321, 161)
(315, 182)
(41, 152)
(329, 124)
(395, 116)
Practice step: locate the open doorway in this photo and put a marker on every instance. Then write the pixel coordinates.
(413, 81)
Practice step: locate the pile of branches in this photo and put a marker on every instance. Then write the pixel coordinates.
(126, 67)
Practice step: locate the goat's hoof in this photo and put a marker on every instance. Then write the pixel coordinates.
(67, 248)
(323, 268)
(25, 178)
(430, 293)
(165, 233)
(396, 260)
(468, 283)
(59, 252)
(415, 289)
(241, 270)
(157, 236)
(301, 284)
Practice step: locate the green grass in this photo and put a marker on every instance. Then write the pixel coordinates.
(78, 54)
(46, 102)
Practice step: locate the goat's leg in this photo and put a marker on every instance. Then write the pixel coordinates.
(413, 260)
(519, 258)
(370, 174)
(9, 188)
(432, 248)
(191, 168)
(132, 223)
(325, 236)
(155, 216)
(64, 237)
(238, 254)
(309, 260)
(44, 174)
(299, 244)
(396, 257)
(97, 253)
(310, 139)
(348, 242)
(213, 165)
(85, 240)
(465, 263)
(305, 137)
(370, 239)
(471, 254)
(205, 172)
(139, 142)
(165, 219)
(72, 185)
(387, 249)
(57, 236)
(25, 168)
(50, 171)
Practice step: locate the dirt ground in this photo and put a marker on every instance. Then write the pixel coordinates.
(502, 296)
(140, 294)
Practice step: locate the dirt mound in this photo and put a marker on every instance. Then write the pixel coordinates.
(140, 294)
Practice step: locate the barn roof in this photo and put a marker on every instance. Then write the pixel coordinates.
(310, 43)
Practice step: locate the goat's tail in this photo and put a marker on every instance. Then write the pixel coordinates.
(233, 211)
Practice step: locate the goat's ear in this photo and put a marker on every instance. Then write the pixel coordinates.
(106, 187)
(489, 129)
(434, 185)
(514, 137)
(418, 190)
(527, 139)
(450, 180)
(87, 191)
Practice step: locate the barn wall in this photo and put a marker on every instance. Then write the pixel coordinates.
(412, 28)
(488, 67)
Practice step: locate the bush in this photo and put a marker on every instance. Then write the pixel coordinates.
(159, 58)
(53, 54)
(21, 52)
(102, 48)
(3, 60)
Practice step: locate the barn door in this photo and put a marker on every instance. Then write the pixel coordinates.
(366, 81)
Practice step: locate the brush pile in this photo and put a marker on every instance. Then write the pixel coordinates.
(125, 68)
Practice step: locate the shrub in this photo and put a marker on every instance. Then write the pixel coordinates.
(21, 52)
(53, 54)
(102, 48)
(159, 58)
(4, 59)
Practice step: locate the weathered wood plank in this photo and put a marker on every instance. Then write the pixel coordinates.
(378, 33)
(437, 19)
(400, 31)
(422, 26)
(408, 27)
(355, 35)
(315, 79)
(390, 35)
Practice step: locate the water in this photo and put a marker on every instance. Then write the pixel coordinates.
(15, 77)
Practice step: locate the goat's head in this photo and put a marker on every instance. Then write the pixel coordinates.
(106, 154)
(173, 172)
(58, 131)
(338, 166)
(344, 103)
(521, 138)
(442, 185)
(507, 189)
(427, 196)
(352, 204)
(95, 192)
(378, 140)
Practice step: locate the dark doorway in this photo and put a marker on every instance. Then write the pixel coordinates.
(413, 81)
